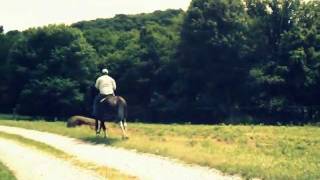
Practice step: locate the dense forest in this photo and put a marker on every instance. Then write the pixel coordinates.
(221, 61)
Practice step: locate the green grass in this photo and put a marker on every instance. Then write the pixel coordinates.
(268, 152)
(5, 173)
(102, 171)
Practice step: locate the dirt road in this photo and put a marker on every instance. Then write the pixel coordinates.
(30, 164)
(144, 166)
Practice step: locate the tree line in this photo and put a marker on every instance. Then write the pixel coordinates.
(221, 61)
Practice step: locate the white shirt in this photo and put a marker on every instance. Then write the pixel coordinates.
(106, 85)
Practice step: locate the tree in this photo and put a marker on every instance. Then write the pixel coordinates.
(58, 97)
(139, 52)
(301, 54)
(48, 63)
(270, 77)
(211, 55)
(7, 40)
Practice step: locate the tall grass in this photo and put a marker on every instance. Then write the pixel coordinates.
(268, 152)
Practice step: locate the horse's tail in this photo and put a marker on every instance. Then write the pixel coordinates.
(122, 115)
(125, 113)
(122, 110)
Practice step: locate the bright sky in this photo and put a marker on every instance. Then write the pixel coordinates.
(22, 14)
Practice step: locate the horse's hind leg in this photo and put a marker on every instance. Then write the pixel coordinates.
(123, 128)
(104, 129)
(122, 120)
(98, 126)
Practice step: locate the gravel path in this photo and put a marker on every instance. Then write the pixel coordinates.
(30, 164)
(144, 166)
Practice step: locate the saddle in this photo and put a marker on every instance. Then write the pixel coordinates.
(109, 99)
(107, 106)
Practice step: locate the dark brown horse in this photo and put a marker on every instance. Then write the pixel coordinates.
(110, 108)
(113, 107)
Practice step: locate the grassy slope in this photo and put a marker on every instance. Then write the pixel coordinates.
(252, 151)
(5, 173)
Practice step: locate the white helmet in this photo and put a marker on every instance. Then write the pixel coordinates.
(105, 71)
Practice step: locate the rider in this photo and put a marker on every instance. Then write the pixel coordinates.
(106, 86)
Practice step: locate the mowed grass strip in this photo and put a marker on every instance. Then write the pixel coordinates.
(268, 152)
(5, 173)
(106, 172)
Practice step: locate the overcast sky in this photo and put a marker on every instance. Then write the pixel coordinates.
(22, 14)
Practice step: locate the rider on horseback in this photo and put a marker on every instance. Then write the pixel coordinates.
(106, 86)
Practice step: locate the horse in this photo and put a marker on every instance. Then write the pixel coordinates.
(110, 107)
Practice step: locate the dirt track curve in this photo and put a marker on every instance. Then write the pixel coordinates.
(143, 166)
(30, 164)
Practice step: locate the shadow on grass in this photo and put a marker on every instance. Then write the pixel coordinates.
(101, 140)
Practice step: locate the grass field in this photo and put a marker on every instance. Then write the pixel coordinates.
(268, 152)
